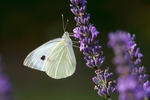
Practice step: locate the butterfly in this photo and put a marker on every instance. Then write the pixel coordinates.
(56, 58)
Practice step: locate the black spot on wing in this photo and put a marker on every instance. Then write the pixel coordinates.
(43, 58)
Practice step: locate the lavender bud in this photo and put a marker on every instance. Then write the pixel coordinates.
(87, 33)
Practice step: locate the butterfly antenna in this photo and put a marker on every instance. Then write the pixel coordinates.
(63, 22)
(66, 24)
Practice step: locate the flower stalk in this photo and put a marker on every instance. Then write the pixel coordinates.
(86, 33)
(128, 61)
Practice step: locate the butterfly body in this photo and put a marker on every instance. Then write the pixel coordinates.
(56, 58)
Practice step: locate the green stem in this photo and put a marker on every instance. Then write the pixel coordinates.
(107, 97)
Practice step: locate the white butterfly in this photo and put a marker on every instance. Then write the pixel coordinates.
(56, 58)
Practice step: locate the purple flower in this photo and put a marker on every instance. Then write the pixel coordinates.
(103, 83)
(5, 86)
(120, 42)
(137, 69)
(130, 89)
(146, 87)
(87, 34)
(124, 43)
(130, 82)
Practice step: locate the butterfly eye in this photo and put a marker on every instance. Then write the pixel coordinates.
(43, 58)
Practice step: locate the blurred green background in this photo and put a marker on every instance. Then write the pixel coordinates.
(26, 24)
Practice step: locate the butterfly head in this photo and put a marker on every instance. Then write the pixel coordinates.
(66, 37)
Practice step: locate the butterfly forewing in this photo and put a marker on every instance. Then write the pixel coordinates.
(61, 63)
(38, 57)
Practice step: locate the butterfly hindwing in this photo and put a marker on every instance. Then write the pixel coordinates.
(37, 58)
(61, 63)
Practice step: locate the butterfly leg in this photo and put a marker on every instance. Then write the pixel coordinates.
(71, 35)
(75, 42)
(76, 46)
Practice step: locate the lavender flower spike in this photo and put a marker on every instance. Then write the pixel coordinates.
(87, 34)
(5, 86)
(104, 84)
(129, 86)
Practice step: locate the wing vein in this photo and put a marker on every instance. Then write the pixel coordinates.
(59, 62)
